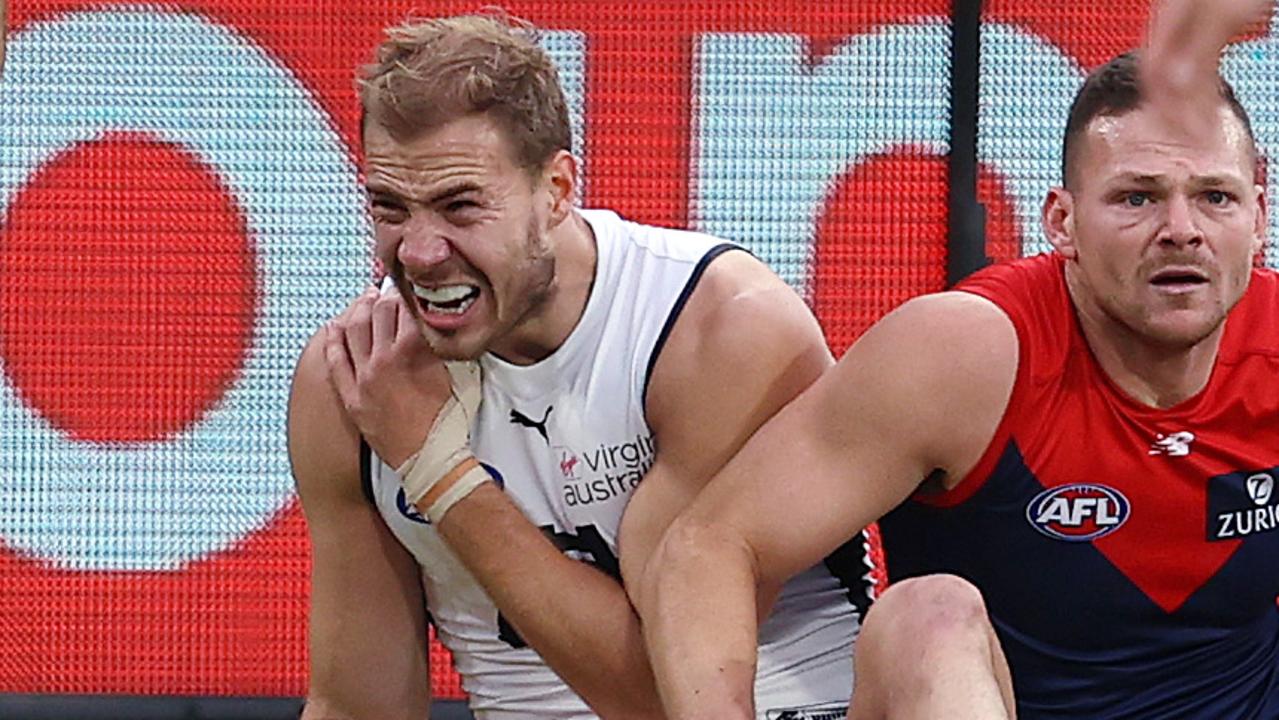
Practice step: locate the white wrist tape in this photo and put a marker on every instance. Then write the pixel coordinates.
(444, 471)
(455, 486)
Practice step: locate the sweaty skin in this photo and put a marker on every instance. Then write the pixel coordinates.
(1158, 232)
(453, 211)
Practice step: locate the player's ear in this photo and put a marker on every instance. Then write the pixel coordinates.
(1262, 223)
(1058, 218)
(559, 177)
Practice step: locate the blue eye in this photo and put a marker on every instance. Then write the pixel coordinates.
(1137, 199)
(1217, 197)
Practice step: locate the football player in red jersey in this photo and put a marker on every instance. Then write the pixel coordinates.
(1056, 431)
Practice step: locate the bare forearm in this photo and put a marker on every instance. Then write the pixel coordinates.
(698, 604)
(576, 617)
(1186, 37)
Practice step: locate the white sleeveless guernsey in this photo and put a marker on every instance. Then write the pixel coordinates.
(567, 440)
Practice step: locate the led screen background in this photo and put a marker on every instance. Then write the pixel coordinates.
(1035, 55)
(181, 208)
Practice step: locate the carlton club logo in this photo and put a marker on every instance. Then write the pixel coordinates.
(1079, 512)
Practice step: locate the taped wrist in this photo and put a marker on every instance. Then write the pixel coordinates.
(444, 471)
(460, 482)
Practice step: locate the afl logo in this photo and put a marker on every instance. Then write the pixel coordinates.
(1079, 512)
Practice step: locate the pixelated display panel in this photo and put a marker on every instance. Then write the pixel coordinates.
(182, 208)
(1034, 57)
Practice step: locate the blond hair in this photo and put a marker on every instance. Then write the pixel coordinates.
(429, 72)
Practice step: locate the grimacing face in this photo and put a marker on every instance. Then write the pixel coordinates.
(460, 228)
(1160, 232)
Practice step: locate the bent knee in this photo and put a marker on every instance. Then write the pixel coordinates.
(929, 606)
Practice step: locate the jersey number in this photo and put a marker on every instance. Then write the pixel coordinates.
(586, 545)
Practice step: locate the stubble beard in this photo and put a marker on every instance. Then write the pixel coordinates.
(539, 268)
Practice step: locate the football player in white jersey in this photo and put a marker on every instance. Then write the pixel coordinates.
(471, 185)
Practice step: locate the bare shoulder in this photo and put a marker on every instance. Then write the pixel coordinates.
(961, 325)
(741, 309)
(737, 281)
(937, 372)
(366, 597)
(743, 345)
(323, 443)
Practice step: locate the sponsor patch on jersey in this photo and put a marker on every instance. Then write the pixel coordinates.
(1242, 504)
(830, 711)
(610, 471)
(570, 463)
(1078, 512)
(411, 513)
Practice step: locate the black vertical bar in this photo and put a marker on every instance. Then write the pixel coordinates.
(966, 239)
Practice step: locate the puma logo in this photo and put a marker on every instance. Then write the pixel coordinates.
(519, 418)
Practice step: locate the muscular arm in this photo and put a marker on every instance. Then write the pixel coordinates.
(575, 616)
(922, 390)
(744, 347)
(367, 621)
(579, 619)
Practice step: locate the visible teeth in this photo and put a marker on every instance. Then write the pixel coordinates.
(447, 299)
(457, 309)
(443, 294)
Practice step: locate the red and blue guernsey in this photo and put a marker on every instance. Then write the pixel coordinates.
(1129, 556)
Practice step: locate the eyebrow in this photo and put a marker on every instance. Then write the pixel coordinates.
(1137, 178)
(381, 192)
(451, 191)
(1198, 180)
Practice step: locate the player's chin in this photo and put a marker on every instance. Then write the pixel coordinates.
(458, 346)
(1184, 327)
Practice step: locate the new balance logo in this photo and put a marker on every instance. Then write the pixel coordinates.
(519, 418)
(1175, 445)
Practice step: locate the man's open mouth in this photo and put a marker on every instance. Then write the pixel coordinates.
(1173, 278)
(446, 299)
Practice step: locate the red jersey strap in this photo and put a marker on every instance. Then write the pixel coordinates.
(1032, 293)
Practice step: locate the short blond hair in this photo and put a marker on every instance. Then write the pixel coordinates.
(429, 72)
